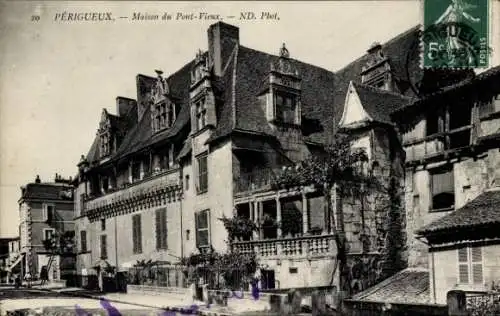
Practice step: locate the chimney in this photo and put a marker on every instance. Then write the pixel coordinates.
(124, 105)
(222, 39)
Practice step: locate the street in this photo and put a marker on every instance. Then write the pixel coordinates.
(25, 301)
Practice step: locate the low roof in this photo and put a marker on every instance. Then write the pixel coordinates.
(46, 191)
(483, 210)
(410, 286)
(380, 103)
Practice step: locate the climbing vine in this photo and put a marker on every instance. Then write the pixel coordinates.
(345, 171)
(232, 270)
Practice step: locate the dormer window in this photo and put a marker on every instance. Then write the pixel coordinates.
(162, 108)
(105, 144)
(377, 71)
(163, 116)
(285, 107)
(201, 113)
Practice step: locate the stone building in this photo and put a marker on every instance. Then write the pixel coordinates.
(9, 258)
(45, 208)
(206, 142)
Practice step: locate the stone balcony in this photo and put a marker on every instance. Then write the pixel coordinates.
(155, 190)
(294, 247)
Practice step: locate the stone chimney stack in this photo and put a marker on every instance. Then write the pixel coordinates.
(222, 39)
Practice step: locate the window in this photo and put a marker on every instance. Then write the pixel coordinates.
(453, 121)
(202, 222)
(186, 185)
(136, 170)
(161, 229)
(82, 203)
(103, 224)
(433, 122)
(202, 174)
(163, 116)
(201, 114)
(47, 212)
(285, 106)
(470, 265)
(83, 241)
(442, 189)
(136, 234)
(48, 233)
(104, 247)
(105, 146)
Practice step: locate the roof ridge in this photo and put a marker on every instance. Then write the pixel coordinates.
(294, 59)
(390, 41)
(378, 90)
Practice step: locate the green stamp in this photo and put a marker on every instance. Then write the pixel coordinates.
(455, 34)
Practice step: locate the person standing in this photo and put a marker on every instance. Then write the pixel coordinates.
(27, 278)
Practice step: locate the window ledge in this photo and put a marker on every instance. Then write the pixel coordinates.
(438, 210)
(470, 287)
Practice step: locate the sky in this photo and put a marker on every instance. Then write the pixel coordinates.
(57, 76)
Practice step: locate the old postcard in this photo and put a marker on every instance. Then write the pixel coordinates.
(250, 158)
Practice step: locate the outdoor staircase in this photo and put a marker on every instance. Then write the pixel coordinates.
(49, 265)
(15, 263)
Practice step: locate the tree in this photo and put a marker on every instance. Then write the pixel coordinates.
(339, 170)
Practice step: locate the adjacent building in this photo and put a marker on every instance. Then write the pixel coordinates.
(206, 141)
(9, 258)
(45, 209)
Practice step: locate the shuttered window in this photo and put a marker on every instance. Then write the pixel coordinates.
(161, 228)
(470, 265)
(104, 247)
(202, 229)
(136, 234)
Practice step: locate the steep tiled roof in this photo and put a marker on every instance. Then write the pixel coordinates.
(380, 103)
(139, 135)
(225, 109)
(45, 191)
(469, 81)
(410, 286)
(317, 95)
(237, 106)
(483, 210)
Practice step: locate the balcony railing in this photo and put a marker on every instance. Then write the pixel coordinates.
(305, 246)
(257, 179)
(143, 187)
(434, 145)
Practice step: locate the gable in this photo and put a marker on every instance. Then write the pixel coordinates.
(354, 112)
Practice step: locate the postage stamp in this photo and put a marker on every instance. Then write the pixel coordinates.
(455, 34)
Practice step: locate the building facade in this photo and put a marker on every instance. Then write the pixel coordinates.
(9, 258)
(207, 141)
(46, 209)
(451, 142)
(456, 198)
